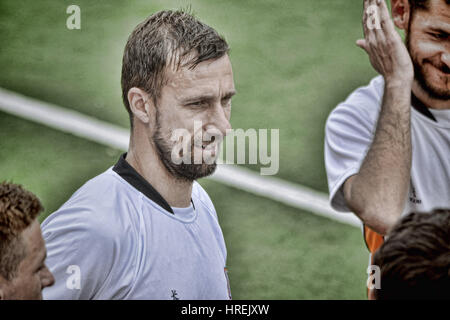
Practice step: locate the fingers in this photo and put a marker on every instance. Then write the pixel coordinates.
(371, 42)
(364, 43)
(366, 4)
(372, 31)
(376, 17)
(384, 46)
(385, 19)
(365, 17)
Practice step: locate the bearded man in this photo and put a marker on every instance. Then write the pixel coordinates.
(387, 147)
(145, 229)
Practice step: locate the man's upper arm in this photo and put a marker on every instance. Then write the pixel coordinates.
(348, 136)
(347, 189)
(79, 255)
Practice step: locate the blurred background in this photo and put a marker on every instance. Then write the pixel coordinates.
(293, 62)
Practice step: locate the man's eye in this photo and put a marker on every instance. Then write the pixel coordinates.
(196, 104)
(226, 102)
(439, 35)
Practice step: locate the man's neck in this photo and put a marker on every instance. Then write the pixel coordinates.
(143, 158)
(425, 98)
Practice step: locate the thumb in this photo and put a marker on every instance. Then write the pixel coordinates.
(362, 44)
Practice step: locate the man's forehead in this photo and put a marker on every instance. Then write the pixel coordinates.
(32, 237)
(434, 23)
(440, 9)
(435, 17)
(205, 75)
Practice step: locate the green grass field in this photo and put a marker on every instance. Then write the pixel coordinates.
(293, 62)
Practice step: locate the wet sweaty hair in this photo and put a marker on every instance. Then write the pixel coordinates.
(166, 37)
(415, 259)
(18, 209)
(422, 4)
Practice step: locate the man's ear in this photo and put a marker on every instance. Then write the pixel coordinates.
(401, 13)
(141, 105)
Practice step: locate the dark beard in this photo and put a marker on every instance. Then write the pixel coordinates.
(420, 76)
(182, 171)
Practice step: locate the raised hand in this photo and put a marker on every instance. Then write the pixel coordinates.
(387, 52)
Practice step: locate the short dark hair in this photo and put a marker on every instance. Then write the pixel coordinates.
(418, 4)
(422, 4)
(158, 40)
(415, 259)
(18, 209)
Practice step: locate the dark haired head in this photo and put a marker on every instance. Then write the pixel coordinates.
(18, 209)
(166, 38)
(422, 4)
(418, 4)
(415, 259)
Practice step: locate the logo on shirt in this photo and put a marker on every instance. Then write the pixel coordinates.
(413, 198)
(174, 295)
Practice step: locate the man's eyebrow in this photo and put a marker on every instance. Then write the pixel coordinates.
(202, 97)
(206, 97)
(229, 94)
(440, 30)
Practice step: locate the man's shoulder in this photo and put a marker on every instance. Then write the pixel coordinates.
(93, 206)
(200, 195)
(102, 190)
(363, 104)
(367, 96)
(99, 187)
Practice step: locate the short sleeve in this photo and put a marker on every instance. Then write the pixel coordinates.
(79, 254)
(349, 133)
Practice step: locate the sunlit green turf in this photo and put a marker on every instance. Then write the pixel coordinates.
(274, 251)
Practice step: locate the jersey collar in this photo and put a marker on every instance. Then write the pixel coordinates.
(127, 172)
(421, 107)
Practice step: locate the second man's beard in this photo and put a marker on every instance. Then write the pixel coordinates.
(182, 171)
(421, 77)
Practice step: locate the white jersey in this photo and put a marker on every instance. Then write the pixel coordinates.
(349, 133)
(117, 238)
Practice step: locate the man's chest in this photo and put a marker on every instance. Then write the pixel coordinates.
(430, 169)
(181, 262)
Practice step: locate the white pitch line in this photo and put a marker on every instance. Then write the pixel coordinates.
(116, 137)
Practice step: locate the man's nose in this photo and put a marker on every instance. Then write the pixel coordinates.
(47, 278)
(221, 119)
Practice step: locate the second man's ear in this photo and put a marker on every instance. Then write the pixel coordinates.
(401, 13)
(141, 105)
